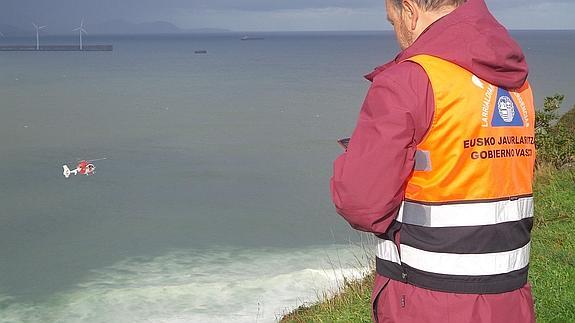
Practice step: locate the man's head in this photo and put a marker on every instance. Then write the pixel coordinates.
(411, 17)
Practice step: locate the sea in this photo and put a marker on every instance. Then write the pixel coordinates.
(210, 201)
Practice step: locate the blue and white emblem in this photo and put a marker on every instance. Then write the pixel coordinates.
(506, 113)
(505, 108)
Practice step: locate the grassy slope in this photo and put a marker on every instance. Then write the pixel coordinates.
(552, 271)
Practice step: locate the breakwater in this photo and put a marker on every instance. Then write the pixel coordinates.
(63, 48)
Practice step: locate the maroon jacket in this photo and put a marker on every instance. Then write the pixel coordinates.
(369, 179)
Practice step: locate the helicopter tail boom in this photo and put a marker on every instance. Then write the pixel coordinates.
(68, 172)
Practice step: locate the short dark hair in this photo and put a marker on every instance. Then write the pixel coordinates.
(432, 4)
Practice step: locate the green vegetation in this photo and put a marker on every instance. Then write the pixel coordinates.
(568, 119)
(351, 304)
(552, 272)
(555, 136)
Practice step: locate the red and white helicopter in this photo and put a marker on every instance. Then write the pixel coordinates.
(84, 167)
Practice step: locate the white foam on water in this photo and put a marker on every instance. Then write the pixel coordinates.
(218, 285)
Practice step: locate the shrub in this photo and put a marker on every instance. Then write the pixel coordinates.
(555, 140)
(568, 119)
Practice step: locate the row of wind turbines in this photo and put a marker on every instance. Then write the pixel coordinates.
(81, 30)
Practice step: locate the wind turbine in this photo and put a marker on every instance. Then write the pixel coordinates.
(81, 30)
(38, 28)
(1, 34)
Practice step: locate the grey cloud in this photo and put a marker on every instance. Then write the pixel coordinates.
(60, 12)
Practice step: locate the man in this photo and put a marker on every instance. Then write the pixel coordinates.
(440, 168)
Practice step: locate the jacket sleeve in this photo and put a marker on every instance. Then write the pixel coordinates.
(369, 179)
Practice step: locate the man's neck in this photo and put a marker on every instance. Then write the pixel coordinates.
(429, 17)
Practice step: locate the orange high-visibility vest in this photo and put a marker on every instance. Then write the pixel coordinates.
(465, 223)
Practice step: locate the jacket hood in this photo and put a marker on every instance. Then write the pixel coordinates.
(473, 39)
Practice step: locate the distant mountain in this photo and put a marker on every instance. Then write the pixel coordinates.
(111, 27)
(10, 31)
(207, 30)
(124, 27)
(157, 27)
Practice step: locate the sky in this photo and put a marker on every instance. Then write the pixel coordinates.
(262, 15)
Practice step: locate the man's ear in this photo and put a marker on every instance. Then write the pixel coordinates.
(411, 10)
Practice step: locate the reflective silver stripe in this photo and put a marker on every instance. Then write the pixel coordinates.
(468, 214)
(422, 161)
(466, 264)
(387, 250)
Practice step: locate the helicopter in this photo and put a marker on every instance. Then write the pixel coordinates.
(84, 167)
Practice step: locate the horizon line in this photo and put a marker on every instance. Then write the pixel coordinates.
(221, 31)
(204, 31)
